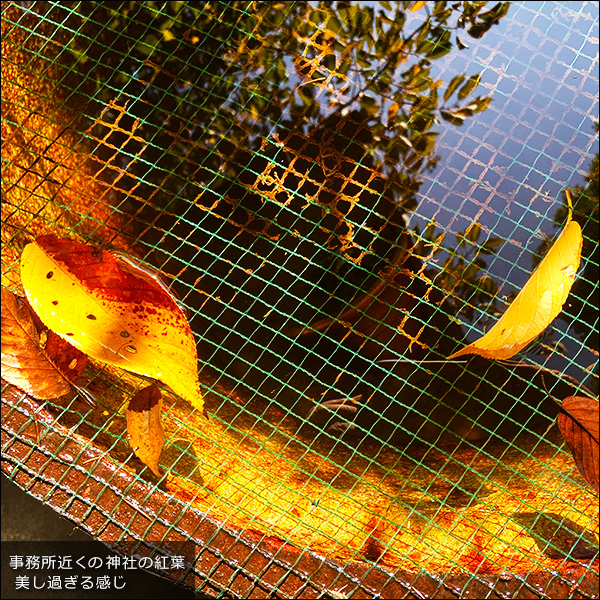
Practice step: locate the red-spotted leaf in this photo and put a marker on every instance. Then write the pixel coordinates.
(111, 314)
(578, 423)
(24, 362)
(146, 435)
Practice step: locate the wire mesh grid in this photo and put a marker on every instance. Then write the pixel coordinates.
(292, 170)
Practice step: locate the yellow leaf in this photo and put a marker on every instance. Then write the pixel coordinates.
(24, 363)
(538, 303)
(146, 434)
(81, 293)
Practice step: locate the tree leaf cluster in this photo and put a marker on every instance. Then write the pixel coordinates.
(195, 74)
(212, 112)
(182, 94)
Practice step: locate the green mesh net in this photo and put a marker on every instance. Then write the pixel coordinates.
(341, 195)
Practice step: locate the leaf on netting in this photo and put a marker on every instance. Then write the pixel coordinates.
(146, 434)
(538, 303)
(110, 313)
(24, 363)
(578, 424)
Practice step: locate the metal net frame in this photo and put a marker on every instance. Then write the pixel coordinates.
(308, 253)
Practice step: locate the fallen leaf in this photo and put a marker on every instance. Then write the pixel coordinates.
(578, 424)
(111, 314)
(146, 435)
(24, 363)
(538, 303)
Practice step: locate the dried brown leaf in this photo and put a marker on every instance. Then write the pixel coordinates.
(69, 361)
(24, 363)
(578, 423)
(146, 434)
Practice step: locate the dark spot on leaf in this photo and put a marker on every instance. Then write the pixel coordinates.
(124, 334)
(91, 317)
(55, 302)
(49, 275)
(70, 334)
